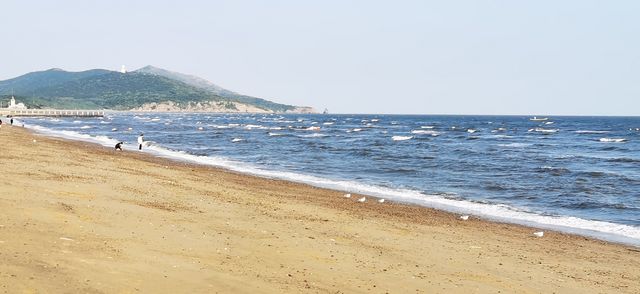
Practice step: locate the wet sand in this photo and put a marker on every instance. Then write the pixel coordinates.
(81, 218)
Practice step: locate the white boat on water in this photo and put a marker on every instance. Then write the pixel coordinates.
(535, 118)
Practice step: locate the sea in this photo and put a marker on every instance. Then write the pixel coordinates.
(577, 175)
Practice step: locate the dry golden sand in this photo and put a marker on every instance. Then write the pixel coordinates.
(79, 218)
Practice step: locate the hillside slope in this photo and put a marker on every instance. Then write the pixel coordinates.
(215, 89)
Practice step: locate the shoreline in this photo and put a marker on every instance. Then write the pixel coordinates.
(600, 230)
(279, 232)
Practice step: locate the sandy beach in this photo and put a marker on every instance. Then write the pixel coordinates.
(81, 218)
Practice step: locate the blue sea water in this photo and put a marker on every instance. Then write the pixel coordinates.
(574, 174)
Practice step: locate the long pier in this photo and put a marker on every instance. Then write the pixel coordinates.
(51, 112)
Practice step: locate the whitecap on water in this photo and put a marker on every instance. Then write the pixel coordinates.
(612, 140)
(315, 135)
(590, 132)
(514, 145)
(546, 131)
(401, 138)
(426, 132)
(251, 127)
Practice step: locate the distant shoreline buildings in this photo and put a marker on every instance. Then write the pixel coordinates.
(14, 105)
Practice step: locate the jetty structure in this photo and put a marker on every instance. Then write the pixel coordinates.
(19, 109)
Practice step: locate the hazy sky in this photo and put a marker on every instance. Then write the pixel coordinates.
(427, 57)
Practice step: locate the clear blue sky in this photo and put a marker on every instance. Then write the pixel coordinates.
(427, 57)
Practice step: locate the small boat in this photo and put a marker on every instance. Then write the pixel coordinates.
(326, 111)
(535, 118)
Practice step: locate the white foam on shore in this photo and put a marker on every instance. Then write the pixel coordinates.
(498, 212)
(102, 140)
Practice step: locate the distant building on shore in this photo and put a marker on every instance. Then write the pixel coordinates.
(14, 105)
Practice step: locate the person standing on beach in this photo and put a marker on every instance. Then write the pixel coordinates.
(11, 121)
(140, 141)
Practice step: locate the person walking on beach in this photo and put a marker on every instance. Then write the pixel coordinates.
(140, 141)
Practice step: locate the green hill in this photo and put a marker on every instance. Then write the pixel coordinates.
(103, 89)
(31, 81)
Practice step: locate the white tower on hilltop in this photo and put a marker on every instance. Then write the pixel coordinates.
(123, 69)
